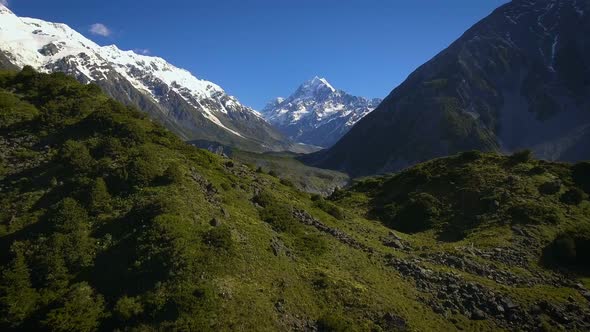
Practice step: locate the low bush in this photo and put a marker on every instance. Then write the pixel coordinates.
(311, 245)
(417, 214)
(521, 157)
(174, 174)
(99, 199)
(329, 208)
(264, 199)
(143, 170)
(287, 182)
(127, 308)
(533, 213)
(550, 188)
(470, 155)
(81, 310)
(581, 176)
(333, 323)
(280, 217)
(77, 156)
(538, 170)
(219, 237)
(574, 196)
(569, 249)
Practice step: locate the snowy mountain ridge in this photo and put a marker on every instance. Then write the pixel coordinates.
(317, 113)
(184, 102)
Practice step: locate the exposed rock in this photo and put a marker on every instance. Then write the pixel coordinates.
(278, 247)
(215, 222)
(452, 293)
(307, 219)
(49, 50)
(478, 315)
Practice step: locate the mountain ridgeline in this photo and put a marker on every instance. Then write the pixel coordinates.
(108, 221)
(317, 113)
(196, 110)
(517, 79)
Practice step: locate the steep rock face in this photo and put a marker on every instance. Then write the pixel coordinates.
(317, 113)
(194, 109)
(517, 79)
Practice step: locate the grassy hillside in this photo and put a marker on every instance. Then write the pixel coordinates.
(285, 166)
(109, 222)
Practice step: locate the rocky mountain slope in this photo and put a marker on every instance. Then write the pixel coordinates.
(517, 79)
(109, 222)
(196, 110)
(317, 113)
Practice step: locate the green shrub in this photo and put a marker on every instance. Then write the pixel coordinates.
(219, 237)
(67, 215)
(468, 156)
(273, 173)
(533, 213)
(264, 199)
(174, 174)
(417, 214)
(521, 157)
(574, 196)
(337, 194)
(311, 245)
(80, 310)
(286, 182)
(280, 217)
(18, 298)
(333, 323)
(132, 132)
(72, 233)
(111, 147)
(581, 176)
(569, 249)
(225, 186)
(13, 110)
(330, 208)
(77, 156)
(142, 171)
(550, 188)
(127, 308)
(99, 198)
(538, 170)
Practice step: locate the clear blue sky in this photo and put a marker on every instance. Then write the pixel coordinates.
(261, 49)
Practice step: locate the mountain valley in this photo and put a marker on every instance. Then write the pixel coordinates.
(137, 197)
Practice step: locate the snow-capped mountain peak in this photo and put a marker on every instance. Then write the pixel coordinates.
(315, 88)
(318, 83)
(317, 113)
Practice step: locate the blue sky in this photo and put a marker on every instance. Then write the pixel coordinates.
(261, 49)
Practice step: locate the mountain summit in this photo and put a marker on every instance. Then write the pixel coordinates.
(518, 79)
(195, 109)
(317, 113)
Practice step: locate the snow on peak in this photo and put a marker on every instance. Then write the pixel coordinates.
(316, 84)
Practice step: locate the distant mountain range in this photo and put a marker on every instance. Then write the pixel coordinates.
(519, 78)
(317, 113)
(196, 110)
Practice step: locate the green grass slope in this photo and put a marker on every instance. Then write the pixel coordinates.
(287, 167)
(110, 222)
